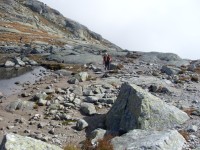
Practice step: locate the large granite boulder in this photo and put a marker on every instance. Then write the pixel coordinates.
(18, 142)
(136, 108)
(155, 140)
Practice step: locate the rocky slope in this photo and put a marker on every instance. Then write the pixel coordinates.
(146, 101)
(30, 25)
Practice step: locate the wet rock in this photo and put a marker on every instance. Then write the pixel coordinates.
(136, 108)
(81, 124)
(142, 139)
(88, 108)
(18, 142)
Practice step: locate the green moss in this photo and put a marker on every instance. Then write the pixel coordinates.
(67, 122)
(35, 106)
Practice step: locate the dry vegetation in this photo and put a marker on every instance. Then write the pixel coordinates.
(28, 33)
(197, 70)
(185, 134)
(103, 144)
(189, 111)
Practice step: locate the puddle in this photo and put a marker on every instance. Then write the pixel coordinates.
(9, 76)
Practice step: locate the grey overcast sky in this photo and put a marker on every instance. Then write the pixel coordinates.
(140, 25)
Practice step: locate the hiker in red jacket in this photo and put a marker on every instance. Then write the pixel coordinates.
(106, 61)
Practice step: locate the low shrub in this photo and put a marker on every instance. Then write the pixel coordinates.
(71, 147)
(105, 143)
(185, 134)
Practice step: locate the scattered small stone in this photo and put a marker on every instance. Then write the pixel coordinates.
(52, 131)
(42, 125)
(25, 94)
(81, 124)
(10, 127)
(27, 131)
(192, 128)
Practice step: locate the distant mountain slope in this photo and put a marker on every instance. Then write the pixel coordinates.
(31, 21)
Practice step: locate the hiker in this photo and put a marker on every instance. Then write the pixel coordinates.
(106, 61)
(20, 40)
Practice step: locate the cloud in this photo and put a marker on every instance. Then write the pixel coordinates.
(145, 25)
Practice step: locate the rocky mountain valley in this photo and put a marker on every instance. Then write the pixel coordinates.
(55, 93)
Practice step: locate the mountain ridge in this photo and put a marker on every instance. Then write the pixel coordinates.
(22, 18)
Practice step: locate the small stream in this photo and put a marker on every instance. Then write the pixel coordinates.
(9, 76)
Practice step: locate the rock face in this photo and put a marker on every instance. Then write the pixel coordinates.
(138, 109)
(156, 140)
(58, 30)
(17, 142)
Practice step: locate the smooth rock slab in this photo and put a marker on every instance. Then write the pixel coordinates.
(18, 142)
(155, 140)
